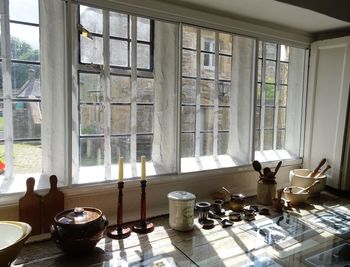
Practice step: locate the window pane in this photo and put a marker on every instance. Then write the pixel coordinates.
(91, 151)
(144, 147)
(282, 101)
(144, 119)
(145, 90)
(271, 51)
(207, 91)
(120, 89)
(1, 122)
(260, 49)
(24, 10)
(224, 68)
(121, 119)
(27, 157)
(225, 43)
(26, 120)
(224, 93)
(270, 74)
(26, 81)
(143, 29)
(281, 118)
(91, 19)
(207, 66)
(206, 144)
(281, 138)
(120, 147)
(224, 119)
(90, 87)
(91, 50)
(223, 143)
(268, 139)
(257, 117)
(119, 53)
(284, 73)
(1, 91)
(284, 53)
(91, 119)
(269, 94)
(118, 25)
(257, 139)
(259, 70)
(258, 94)
(187, 145)
(143, 56)
(189, 37)
(188, 93)
(206, 119)
(188, 118)
(269, 117)
(207, 40)
(24, 46)
(189, 63)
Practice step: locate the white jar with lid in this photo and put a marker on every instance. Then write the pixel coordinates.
(181, 210)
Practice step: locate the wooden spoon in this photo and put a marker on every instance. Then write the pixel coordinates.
(307, 188)
(227, 191)
(257, 167)
(315, 171)
(277, 167)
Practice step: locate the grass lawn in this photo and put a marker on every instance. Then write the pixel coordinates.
(27, 157)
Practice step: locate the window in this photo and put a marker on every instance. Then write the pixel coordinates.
(279, 99)
(209, 107)
(119, 93)
(20, 96)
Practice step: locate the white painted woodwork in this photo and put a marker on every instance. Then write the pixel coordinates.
(327, 102)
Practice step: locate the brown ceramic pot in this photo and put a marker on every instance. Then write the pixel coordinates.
(237, 202)
(78, 230)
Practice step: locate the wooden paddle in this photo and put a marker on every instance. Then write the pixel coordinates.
(53, 203)
(29, 207)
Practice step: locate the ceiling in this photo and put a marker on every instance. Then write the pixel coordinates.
(312, 16)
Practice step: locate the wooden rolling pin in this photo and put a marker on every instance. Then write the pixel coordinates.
(315, 171)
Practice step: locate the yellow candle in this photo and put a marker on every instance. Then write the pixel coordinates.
(143, 168)
(121, 169)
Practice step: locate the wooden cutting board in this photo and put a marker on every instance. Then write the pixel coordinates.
(53, 203)
(29, 207)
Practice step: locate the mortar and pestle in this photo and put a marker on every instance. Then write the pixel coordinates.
(298, 195)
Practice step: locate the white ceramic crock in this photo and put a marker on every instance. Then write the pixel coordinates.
(181, 210)
(298, 177)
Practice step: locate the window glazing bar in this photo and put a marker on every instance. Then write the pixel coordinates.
(216, 97)
(7, 87)
(106, 81)
(133, 139)
(198, 94)
(277, 91)
(262, 95)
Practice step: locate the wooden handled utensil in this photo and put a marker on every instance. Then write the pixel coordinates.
(226, 190)
(308, 188)
(257, 167)
(315, 171)
(323, 171)
(277, 167)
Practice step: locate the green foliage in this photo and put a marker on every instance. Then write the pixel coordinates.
(21, 50)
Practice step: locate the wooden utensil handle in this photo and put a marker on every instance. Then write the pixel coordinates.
(315, 171)
(323, 171)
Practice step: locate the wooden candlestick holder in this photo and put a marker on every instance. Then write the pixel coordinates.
(119, 232)
(143, 227)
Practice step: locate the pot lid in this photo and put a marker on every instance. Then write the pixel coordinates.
(181, 195)
(78, 216)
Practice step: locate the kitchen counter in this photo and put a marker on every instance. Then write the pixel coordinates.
(316, 234)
